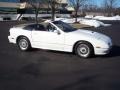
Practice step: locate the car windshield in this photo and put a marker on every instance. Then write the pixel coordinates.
(64, 26)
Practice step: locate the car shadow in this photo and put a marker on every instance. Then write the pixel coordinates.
(115, 52)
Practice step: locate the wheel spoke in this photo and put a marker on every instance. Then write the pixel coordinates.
(83, 50)
(23, 44)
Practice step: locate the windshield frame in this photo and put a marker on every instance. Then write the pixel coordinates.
(64, 26)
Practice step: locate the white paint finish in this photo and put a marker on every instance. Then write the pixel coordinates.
(49, 40)
(63, 41)
(15, 32)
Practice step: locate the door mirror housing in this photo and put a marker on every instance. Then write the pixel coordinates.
(57, 31)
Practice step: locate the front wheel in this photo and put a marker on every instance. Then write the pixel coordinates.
(23, 44)
(84, 49)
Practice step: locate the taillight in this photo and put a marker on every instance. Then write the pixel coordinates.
(9, 32)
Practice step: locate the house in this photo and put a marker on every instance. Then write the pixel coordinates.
(8, 7)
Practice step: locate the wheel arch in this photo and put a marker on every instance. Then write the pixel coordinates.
(82, 41)
(21, 37)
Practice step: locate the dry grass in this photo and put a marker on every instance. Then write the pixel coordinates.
(78, 26)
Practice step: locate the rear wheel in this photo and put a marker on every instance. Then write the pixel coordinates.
(23, 44)
(84, 49)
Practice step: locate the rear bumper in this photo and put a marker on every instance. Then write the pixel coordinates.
(11, 39)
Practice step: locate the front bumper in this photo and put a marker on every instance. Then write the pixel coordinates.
(102, 51)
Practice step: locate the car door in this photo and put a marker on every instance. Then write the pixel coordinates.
(37, 33)
(52, 38)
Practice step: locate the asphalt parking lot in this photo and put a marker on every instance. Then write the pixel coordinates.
(51, 70)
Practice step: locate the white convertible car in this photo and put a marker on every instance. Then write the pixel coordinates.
(60, 36)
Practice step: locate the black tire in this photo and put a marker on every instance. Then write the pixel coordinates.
(84, 49)
(23, 44)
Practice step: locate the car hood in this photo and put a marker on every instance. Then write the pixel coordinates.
(90, 34)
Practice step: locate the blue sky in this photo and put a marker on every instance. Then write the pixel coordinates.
(98, 2)
(9, 0)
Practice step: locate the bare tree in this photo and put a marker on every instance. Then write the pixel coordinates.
(109, 6)
(77, 4)
(36, 5)
(54, 4)
(105, 6)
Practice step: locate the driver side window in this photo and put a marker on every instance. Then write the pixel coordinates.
(51, 28)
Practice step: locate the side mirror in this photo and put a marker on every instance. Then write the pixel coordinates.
(57, 31)
(33, 29)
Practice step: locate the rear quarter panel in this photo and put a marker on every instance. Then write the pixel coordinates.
(16, 32)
